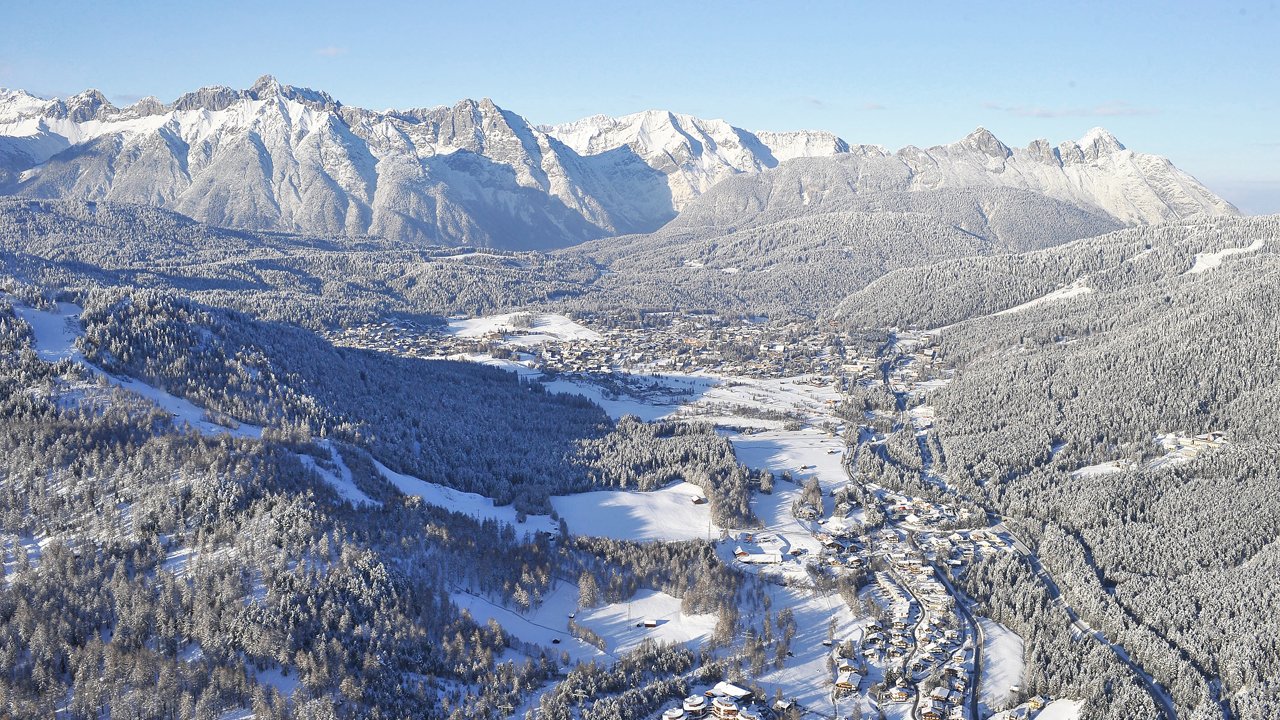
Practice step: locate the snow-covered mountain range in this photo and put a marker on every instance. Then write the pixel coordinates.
(279, 157)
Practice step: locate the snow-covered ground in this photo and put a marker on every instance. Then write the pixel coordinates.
(805, 676)
(621, 625)
(1073, 290)
(477, 506)
(276, 678)
(1205, 262)
(1105, 468)
(1001, 665)
(733, 400)
(11, 546)
(805, 453)
(666, 514)
(339, 478)
(547, 625)
(617, 623)
(1061, 710)
(519, 368)
(541, 328)
(615, 406)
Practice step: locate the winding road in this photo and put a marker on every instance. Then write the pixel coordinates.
(1164, 704)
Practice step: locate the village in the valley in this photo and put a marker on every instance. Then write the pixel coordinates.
(905, 644)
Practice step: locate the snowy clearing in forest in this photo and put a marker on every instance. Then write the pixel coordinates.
(668, 514)
(1207, 261)
(338, 476)
(478, 507)
(1105, 468)
(1061, 710)
(617, 623)
(1001, 665)
(1073, 290)
(546, 625)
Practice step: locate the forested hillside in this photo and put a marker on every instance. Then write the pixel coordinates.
(305, 280)
(1078, 415)
(153, 571)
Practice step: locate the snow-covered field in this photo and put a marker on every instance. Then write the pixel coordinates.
(541, 328)
(615, 406)
(1001, 665)
(546, 625)
(617, 623)
(805, 676)
(731, 401)
(1061, 710)
(666, 514)
(621, 625)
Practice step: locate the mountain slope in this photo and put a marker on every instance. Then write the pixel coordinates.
(1097, 174)
(694, 154)
(804, 263)
(283, 158)
(278, 157)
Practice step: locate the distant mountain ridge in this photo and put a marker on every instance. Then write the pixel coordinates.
(279, 157)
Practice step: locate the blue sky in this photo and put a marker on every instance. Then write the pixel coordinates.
(1196, 81)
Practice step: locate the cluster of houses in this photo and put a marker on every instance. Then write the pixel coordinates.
(942, 703)
(958, 549)
(1181, 448)
(408, 339)
(677, 341)
(848, 678)
(764, 549)
(919, 512)
(923, 634)
(708, 342)
(725, 701)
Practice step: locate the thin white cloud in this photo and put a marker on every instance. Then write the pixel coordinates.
(873, 106)
(331, 51)
(1110, 109)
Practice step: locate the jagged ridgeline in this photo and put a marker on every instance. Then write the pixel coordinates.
(1119, 394)
(279, 157)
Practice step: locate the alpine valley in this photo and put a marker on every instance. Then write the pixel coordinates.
(313, 411)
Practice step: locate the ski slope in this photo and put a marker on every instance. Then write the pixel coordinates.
(1204, 262)
(477, 506)
(56, 332)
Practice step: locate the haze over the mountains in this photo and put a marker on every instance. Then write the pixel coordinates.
(279, 157)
